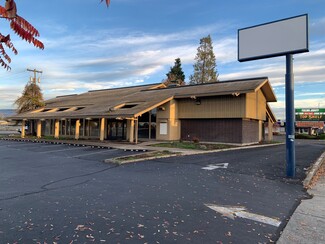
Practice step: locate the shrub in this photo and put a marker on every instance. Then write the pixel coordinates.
(196, 139)
(305, 136)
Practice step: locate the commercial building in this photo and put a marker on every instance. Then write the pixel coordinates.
(310, 120)
(229, 112)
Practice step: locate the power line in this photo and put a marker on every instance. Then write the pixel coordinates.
(33, 79)
(11, 74)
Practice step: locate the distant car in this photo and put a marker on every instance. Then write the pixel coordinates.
(319, 131)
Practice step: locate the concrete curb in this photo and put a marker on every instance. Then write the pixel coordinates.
(181, 153)
(313, 170)
(114, 160)
(196, 152)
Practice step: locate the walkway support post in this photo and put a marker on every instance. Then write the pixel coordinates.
(23, 124)
(136, 130)
(131, 139)
(39, 129)
(290, 119)
(56, 129)
(150, 122)
(102, 129)
(270, 130)
(77, 129)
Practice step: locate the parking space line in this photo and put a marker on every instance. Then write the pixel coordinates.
(5, 145)
(81, 155)
(51, 145)
(68, 149)
(11, 146)
(21, 145)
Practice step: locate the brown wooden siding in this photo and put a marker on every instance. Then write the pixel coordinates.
(261, 106)
(214, 130)
(212, 107)
(220, 130)
(255, 106)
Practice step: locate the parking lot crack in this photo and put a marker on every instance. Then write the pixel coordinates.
(45, 187)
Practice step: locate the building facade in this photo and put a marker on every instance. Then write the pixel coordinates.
(229, 112)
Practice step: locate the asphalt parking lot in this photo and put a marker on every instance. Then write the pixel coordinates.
(79, 150)
(68, 195)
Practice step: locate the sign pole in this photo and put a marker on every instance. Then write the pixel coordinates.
(290, 119)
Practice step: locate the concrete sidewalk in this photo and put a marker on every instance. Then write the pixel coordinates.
(141, 146)
(307, 224)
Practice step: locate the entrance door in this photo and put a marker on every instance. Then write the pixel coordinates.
(116, 130)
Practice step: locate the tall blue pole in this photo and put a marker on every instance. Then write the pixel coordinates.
(290, 118)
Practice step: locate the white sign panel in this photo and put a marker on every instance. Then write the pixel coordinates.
(163, 128)
(287, 36)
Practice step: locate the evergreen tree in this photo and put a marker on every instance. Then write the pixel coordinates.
(31, 98)
(205, 66)
(176, 75)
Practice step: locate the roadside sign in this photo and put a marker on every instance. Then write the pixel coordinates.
(277, 38)
(310, 114)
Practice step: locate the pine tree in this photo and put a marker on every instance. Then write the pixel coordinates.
(205, 66)
(175, 75)
(31, 98)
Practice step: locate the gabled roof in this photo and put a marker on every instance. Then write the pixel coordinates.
(227, 88)
(133, 101)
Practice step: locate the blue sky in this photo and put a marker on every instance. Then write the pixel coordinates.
(134, 42)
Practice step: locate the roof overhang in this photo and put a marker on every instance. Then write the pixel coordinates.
(270, 114)
(267, 91)
(153, 106)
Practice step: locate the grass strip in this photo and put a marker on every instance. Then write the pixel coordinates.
(143, 156)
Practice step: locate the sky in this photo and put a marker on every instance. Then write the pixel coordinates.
(135, 42)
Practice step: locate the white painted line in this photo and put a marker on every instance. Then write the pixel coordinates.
(216, 166)
(98, 152)
(21, 145)
(61, 150)
(241, 212)
(51, 145)
(5, 145)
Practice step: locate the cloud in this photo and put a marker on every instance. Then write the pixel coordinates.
(76, 61)
(316, 27)
(7, 96)
(311, 94)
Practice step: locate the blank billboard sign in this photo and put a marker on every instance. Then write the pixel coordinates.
(287, 36)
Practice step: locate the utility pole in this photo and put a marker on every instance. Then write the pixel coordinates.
(33, 79)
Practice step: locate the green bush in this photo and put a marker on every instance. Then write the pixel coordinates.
(196, 140)
(305, 136)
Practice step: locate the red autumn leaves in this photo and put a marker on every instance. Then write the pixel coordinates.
(21, 27)
(107, 2)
